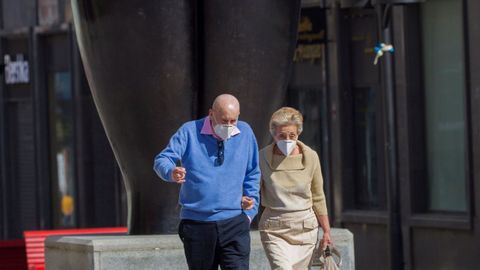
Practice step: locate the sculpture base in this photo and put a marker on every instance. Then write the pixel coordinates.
(150, 252)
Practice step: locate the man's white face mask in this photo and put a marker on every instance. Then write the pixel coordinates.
(224, 131)
(286, 146)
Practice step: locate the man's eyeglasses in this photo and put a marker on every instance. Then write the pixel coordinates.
(220, 153)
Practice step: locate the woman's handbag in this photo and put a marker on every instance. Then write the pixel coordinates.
(330, 259)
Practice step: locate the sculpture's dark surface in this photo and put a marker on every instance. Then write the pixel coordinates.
(153, 65)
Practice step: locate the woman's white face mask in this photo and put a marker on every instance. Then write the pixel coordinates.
(286, 138)
(286, 146)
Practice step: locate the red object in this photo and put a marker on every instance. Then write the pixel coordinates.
(35, 242)
(12, 255)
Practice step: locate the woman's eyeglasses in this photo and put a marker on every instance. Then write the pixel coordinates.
(220, 153)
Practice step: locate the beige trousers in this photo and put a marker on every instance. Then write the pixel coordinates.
(289, 238)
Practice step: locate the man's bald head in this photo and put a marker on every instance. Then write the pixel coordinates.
(226, 102)
(225, 109)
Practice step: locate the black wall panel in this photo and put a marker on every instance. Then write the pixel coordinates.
(18, 13)
(21, 168)
(371, 246)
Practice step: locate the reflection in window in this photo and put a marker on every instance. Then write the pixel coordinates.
(61, 126)
(444, 78)
(364, 136)
(363, 118)
(308, 101)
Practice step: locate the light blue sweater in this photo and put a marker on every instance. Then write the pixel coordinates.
(212, 192)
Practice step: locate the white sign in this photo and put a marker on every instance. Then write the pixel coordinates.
(16, 71)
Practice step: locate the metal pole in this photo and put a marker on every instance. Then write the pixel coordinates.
(393, 202)
(326, 119)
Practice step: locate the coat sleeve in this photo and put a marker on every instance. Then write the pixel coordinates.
(318, 196)
(251, 184)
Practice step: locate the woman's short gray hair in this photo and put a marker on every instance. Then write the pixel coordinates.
(286, 116)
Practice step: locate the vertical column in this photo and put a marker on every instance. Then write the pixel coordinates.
(138, 58)
(248, 51)
(393, 200)
(3, 176)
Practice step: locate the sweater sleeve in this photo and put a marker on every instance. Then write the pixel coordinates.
(318, 196)
(165, 161)
(251, 184)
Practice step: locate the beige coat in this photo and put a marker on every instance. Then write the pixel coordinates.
(292, 194)
(292, 183)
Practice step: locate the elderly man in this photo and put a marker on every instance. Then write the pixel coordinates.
(215, 159)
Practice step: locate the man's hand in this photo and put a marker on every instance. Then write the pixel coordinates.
(247, 203)
(178, 175)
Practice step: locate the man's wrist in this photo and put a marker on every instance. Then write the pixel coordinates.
(170, 175)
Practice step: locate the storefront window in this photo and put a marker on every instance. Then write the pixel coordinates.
(61, 126)
(363, 117)
(444, 84)
(48, 12)
(307, 87)
(365, 144)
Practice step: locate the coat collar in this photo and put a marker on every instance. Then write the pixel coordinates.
(269, 158)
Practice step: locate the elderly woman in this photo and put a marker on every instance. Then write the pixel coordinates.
(292, 194)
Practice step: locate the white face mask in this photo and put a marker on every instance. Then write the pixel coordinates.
(224, 131)
(286, 146)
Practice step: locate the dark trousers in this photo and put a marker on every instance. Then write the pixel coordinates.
(210, 244)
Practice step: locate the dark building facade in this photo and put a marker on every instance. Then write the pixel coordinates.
(399, 141)
(57, 168)
(404, 134)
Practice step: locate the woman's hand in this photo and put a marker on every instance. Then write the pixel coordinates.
(247, 203)
(325, 224)
(326, 240)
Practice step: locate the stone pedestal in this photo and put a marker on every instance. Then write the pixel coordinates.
(151, 252)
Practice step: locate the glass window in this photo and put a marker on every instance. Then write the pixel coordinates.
(363, 119)
(307, 90)
(48, 12)
(365, 145)
(444, 84)
(62, 147)
(306, 87)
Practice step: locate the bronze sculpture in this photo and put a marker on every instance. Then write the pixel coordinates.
(152, 65)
